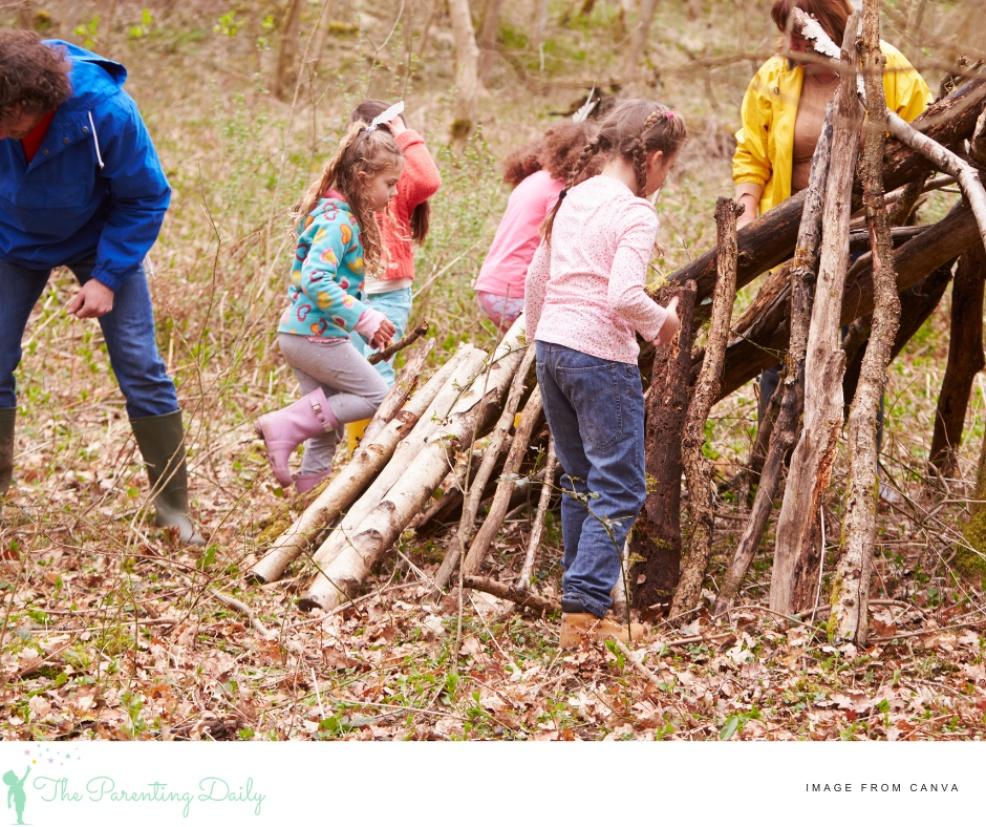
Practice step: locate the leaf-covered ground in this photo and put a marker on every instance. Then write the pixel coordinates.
(109, 630)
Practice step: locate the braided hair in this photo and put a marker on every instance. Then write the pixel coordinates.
(631, 130)
(362, 149)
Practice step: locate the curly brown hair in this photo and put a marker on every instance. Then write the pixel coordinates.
(557, 152)
(34, 78)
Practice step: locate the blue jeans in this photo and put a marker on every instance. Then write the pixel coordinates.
(396, 306)
(595, 410)
(128, 330)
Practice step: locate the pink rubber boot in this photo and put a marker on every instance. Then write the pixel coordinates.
(306, 482)
(286, 429)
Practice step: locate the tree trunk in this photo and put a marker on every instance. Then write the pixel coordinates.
(487, 40)
(965, 360)
(638, 37)
(467, 83)
(797, 553)
(850, 592)
(655, 544)
(341, 575)
(698, 470)
(286, 71)
(785, 430)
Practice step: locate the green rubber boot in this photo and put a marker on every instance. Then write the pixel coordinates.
(161, 441)
(7, 417)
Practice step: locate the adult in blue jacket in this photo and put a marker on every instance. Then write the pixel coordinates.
(81, 186)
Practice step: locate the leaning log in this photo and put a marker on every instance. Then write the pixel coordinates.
(341, 574)
(655, 543)
(767, 242)
(848, 619)
(784, 433)
(965, 360)
(797, 552)
(698, 469)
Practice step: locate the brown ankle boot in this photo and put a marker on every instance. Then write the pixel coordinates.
(583, 626)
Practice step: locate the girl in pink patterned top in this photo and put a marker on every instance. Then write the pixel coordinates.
(585, 303)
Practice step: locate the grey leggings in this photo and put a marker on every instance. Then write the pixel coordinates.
(354, 389)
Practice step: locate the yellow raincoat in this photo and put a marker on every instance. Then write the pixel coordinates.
(765, 144)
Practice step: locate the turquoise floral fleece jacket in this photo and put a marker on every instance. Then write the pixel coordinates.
(327, 276)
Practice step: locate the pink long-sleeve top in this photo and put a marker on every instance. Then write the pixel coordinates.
(505, 268)
(586, 290)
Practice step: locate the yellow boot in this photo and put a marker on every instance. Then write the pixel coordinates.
(354, 433)
(577, 627)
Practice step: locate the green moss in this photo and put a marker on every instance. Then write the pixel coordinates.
(970, 559)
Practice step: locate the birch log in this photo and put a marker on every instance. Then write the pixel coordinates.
(526, 578)
(342, 574)
(477, 485)
(529, 419)
(698, 472)
(407, 380)
(784, 433)
(347, 485)
(797, 553)
(850, 590)
(406, 453)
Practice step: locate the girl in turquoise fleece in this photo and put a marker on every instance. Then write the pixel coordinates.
(338, 244)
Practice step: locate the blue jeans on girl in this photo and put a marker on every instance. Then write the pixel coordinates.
(128, 330)
(595, 410)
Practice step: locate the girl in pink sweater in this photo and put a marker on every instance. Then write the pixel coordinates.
(585, 303)
(537, 172)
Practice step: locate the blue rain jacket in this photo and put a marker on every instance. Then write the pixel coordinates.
(95, 188)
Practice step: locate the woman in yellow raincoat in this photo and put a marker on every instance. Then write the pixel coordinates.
(783, 111)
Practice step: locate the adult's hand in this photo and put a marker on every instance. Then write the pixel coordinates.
(671, 326)
(93, 300)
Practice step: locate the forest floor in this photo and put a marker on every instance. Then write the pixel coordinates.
(108, 629)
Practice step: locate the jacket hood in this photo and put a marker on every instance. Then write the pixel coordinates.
(93, 77)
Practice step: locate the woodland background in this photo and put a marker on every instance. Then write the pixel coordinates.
(109, 630)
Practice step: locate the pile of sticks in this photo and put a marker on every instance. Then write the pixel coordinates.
(423, 440)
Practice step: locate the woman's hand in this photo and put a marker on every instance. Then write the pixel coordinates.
(671, 326)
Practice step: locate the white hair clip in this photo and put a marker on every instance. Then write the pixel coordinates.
(387, 116)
